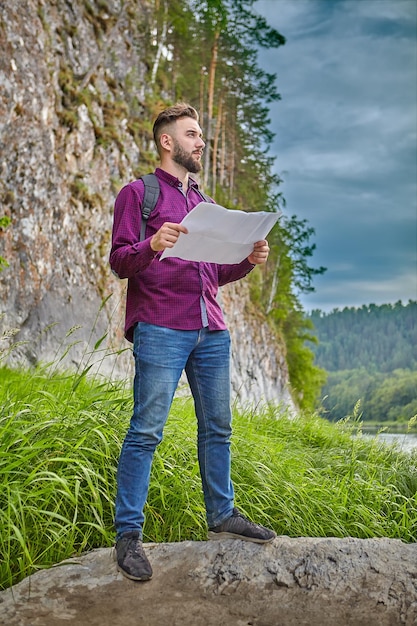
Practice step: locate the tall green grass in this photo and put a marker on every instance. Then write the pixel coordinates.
(60, 437)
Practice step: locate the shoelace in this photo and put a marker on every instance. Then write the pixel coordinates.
(248, 521)
(136, 548)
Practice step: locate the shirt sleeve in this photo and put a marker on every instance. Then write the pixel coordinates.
(128, 254)
(230, 273)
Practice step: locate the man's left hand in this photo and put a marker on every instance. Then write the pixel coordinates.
(260, 253)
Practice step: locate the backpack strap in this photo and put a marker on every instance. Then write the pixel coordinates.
(150, 199)
(203, 195)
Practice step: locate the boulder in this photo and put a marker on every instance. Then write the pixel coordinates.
(290, 582)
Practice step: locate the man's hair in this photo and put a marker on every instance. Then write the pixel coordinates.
(170, 116)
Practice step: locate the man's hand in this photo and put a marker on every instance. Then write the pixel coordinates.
(166, 236)
(260, 253)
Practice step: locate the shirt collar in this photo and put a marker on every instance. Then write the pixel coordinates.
(173, 180)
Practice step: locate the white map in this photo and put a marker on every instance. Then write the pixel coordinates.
(219, 235)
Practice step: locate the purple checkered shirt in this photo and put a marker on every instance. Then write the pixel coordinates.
(172, 293)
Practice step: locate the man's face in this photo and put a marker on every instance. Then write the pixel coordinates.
(188, 144)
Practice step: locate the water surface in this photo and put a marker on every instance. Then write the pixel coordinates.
(406, 442)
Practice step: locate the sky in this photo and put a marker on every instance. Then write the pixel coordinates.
(346, 142)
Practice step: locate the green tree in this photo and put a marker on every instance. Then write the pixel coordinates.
(217, 45)
(287, 274)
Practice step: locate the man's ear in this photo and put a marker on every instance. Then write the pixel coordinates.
(165, 141)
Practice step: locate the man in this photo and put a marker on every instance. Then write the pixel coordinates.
(175, 324)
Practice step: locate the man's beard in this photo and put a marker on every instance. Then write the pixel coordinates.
(185, 159)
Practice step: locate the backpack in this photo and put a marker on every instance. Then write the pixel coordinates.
(150, 199)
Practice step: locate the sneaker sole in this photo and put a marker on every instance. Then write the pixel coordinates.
(217, 536)
(130, 577)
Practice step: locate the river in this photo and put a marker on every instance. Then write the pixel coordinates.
(404, 441)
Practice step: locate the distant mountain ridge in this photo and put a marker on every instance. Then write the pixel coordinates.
(380, 338)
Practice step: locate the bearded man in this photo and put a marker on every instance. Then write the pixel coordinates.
(175, 324)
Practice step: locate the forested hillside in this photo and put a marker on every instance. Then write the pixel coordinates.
(370, 354)
(379, 338)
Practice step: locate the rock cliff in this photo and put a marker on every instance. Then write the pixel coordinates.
(72, 91)
(291, 582)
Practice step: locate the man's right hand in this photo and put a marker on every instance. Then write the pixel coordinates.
(167, 236)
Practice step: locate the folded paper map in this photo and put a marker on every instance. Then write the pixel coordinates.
(219, 235)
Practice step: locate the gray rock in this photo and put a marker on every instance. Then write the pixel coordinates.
(291, 582)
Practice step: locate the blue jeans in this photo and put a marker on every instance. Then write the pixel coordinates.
(161, 355)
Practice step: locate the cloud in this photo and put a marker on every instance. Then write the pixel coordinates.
(346, 138)
(357, 293)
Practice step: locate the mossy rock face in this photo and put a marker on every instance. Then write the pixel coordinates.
(78, 127)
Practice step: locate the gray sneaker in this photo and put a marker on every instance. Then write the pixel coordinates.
(239, 527)
(131, 558)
